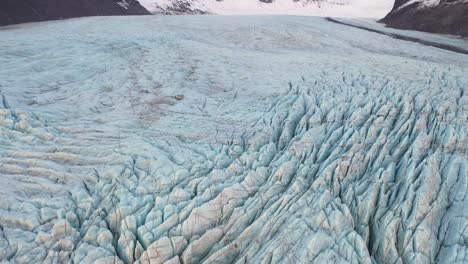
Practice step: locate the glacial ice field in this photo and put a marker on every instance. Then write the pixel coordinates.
(256, 139)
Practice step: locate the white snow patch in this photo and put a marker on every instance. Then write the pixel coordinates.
(123, 4)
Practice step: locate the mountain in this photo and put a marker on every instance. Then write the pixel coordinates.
(437, 16)
(341, 8)
(20, 11)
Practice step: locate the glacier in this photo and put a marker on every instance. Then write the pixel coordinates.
(210, 139)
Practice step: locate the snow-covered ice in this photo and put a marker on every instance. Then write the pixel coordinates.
(206, 139)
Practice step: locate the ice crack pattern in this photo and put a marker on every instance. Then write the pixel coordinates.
(338, 164)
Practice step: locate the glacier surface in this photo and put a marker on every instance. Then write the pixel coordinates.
(206, 139)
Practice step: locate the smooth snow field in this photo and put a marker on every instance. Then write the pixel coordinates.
(255, 139)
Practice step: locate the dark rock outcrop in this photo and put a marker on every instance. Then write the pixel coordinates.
(447, 17)
(20, 11)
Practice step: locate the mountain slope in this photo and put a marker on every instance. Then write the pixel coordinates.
(343, 8)
(437, 16)
(20, 11)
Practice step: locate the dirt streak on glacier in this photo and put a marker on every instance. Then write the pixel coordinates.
(295, 142)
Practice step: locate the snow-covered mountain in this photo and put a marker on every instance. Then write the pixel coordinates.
(344, 8)
(439, 16)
